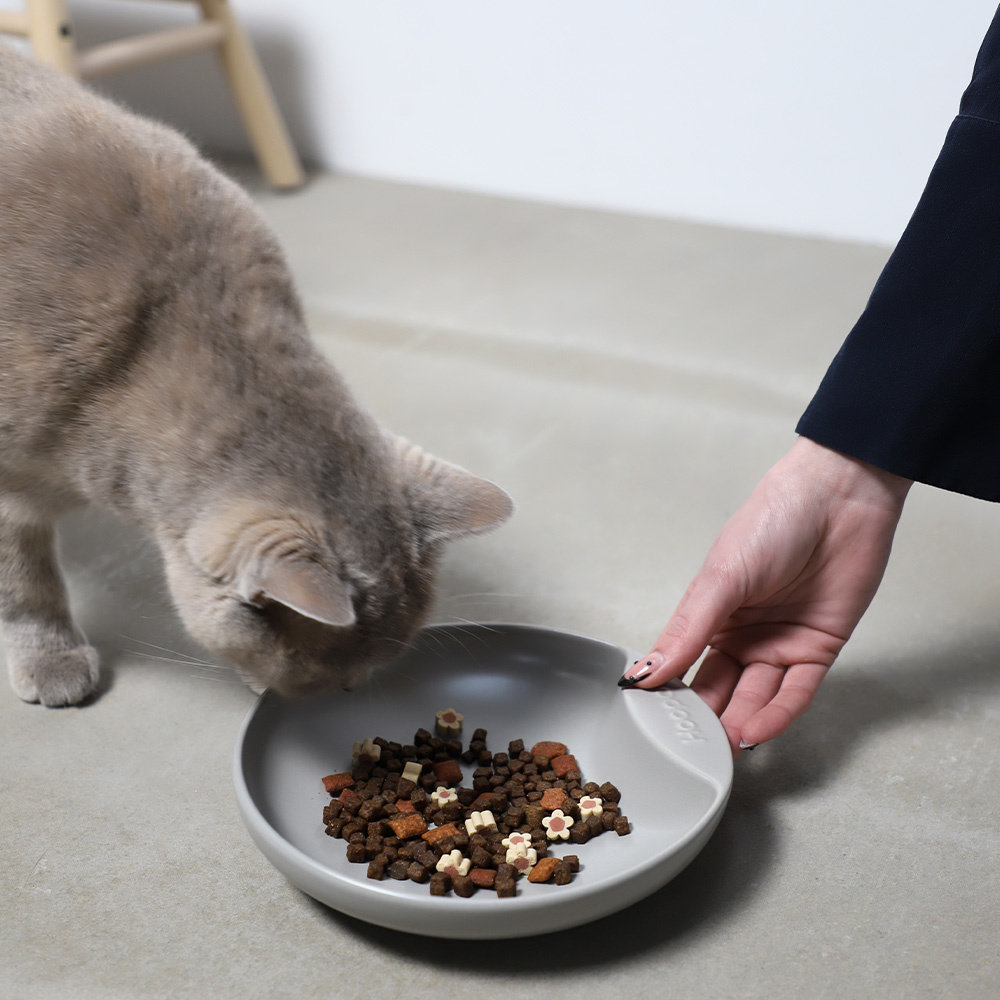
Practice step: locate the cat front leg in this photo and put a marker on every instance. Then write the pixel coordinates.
(47, 656)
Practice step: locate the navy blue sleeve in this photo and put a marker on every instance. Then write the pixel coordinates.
(915, 389)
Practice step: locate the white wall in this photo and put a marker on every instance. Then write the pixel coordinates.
(789, 115)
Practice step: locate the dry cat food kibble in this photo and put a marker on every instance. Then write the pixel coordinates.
(407, 811)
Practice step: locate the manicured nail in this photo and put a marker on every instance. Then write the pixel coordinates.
(748, 746)
(639, 669)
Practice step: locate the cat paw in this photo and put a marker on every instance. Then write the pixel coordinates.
(63, 677)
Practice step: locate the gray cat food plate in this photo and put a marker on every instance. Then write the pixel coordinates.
(665, 751)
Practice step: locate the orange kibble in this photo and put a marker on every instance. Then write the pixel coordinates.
(484, 878)
(439, 833)
(552, 798)
(549, 749)
(544, 870)
(407, 825)
(564, 764)
(334, 783)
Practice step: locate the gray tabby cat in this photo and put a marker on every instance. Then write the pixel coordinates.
(154, 361)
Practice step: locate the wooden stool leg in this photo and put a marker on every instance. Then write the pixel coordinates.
(50, 31)
(256, 103)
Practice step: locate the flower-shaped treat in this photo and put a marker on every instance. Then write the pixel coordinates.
(448, 722)
(454, 864)
(517, 842)
(590, 805)
(522, 860)
(441, 796)
(557, 825)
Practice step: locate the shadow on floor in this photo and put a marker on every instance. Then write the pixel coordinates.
(121, 600)
(719, 885)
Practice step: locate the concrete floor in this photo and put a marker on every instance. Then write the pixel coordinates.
(628, 380)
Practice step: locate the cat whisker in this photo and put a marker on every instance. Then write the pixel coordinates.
(459, 620)
(218, 680)
(472, 595)
(174, 652)
(173, 659)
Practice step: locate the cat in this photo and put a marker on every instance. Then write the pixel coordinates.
(154, 361)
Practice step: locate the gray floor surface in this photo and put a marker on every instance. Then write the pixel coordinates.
(627, 380)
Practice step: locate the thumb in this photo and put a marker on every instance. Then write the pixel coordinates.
(710, 599)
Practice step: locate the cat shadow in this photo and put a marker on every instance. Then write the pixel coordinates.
(720, 884)
(119, 598)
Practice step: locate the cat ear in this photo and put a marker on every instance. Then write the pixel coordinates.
(304, 586)
(265, 558)
(448, 500)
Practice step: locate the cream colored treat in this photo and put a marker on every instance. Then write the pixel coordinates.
(557, 825)
(448, 722)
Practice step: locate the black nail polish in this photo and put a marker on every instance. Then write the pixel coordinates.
(627, 682)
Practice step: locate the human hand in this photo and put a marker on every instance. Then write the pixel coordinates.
(780, 591)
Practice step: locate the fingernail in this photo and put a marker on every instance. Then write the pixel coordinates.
(640, 668)
(748, 746)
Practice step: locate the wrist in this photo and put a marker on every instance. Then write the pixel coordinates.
(847, 476)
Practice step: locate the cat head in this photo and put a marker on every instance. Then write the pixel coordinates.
(302, 601)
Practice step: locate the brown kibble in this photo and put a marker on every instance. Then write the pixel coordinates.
(356, 852)
(448, 773)
(544, 870)
(563, 874)
(398, 870)
(376, 869)
(505, 888)
(480, 856)
(407, 825)
(417, 872)
(463, 885)
(622, 826)
(609, 793)
(335, 826)
(426, 857)
(351, 828)
(533, 815)
(573, 861)
(440, 884)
